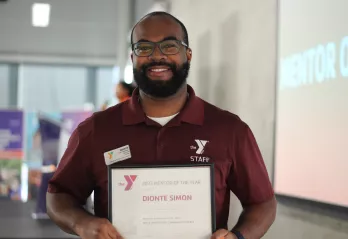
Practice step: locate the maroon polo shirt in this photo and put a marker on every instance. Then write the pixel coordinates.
(229, 144)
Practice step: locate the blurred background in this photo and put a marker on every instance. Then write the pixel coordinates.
(282, 66)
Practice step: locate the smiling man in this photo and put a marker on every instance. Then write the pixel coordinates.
(163, 123)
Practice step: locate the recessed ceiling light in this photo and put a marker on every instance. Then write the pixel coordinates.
(41, 14)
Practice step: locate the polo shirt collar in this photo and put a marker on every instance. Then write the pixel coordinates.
(192, 113)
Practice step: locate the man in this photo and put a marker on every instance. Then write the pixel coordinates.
(160, 123)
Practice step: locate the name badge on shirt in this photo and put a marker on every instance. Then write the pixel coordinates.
(117, 155)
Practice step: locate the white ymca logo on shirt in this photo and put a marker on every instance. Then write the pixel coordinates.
(200, 150)
(201, 145)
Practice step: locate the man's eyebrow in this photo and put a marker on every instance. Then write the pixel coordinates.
(170, 38)
(143, 40)
(164, 39)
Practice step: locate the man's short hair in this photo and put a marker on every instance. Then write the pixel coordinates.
(152, 14)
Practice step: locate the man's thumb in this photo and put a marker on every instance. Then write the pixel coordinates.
(220, 234)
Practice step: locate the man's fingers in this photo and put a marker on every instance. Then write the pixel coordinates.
(113, 232)
(106, 231)
(109, 235)
(220, 234)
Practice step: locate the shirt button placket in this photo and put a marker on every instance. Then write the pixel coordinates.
(160, 143)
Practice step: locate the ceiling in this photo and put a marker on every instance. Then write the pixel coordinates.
(80, 31)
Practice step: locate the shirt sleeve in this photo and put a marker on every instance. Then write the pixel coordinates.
(74, 172)
(248, 178)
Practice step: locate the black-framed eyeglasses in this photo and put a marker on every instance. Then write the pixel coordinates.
(167, 47)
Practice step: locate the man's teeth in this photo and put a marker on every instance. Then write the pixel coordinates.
(159, 70)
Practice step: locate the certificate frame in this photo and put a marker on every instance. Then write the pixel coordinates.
(114, 167)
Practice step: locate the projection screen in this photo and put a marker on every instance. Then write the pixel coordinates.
(311, 141)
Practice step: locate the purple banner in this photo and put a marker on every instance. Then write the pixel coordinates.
(73, 119)
(11, 125)
(11, 130)
(11, 153)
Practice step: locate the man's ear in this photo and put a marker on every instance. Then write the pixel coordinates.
(189, 54)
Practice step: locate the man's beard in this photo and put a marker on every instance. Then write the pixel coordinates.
(161, 88)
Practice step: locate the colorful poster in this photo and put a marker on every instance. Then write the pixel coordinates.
(49, 129)
(11, 153)
(33, 153)
(49, 135)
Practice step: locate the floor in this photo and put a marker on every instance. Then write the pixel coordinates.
(16, 222)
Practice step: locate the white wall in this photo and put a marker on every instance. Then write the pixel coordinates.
(143, 7)
(234, 67)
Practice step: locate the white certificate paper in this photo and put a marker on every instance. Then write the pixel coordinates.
(162, 202)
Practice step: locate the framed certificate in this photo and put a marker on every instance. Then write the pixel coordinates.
(162, 201)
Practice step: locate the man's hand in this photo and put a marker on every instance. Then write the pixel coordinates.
(223, 234)
(97, 228)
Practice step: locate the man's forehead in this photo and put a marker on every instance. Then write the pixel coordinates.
(156, 28)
